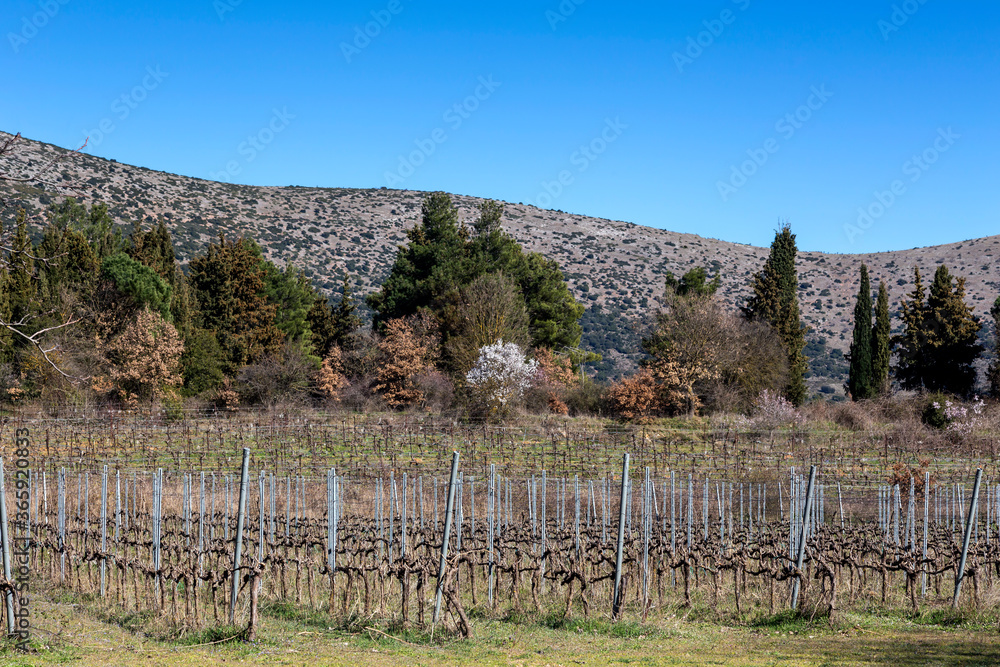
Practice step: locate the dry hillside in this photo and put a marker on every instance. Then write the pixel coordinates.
(615, 268)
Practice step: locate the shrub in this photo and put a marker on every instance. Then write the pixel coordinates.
(586, 399)
(276, 377)
(772, 410)
(329, 380)
(635, 397)
(934, 412)
(438, 391)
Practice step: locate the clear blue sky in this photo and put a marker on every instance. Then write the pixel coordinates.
(681, 116)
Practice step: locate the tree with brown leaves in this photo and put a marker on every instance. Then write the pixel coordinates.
(403, 359)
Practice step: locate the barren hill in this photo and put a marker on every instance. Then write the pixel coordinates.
(615, 268)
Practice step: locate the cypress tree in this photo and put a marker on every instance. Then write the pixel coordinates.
(21, 281)
(775, 301)
(880, 342)
(910, 344)
(860, 380)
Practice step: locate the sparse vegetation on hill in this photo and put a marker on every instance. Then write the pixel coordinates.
(613, 268)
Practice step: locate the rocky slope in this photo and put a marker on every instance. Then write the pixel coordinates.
(615, 268)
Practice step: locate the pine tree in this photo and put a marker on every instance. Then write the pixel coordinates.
(434, 262)
(860, 380)
(442, 257)
(775, 301)
(952, 332)
(880, 342)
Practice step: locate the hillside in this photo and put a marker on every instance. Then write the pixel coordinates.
(615, 268)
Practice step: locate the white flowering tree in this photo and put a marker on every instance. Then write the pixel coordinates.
(499, 378)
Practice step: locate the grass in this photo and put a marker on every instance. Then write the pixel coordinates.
(67, 633)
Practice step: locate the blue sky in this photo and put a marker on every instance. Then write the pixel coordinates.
(716, 118)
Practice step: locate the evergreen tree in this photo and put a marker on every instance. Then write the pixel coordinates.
(293, 295)
(909, 345)
(228, 281)
(138, 282)
(21, 279)
(939, 343)
(95, 224)
(442, 258)
(202, 362)
(155, 249)
(993, 373)
(953, 336)
(880, 342)
(775, 301)
(693, 283)
(333, 326)
(860, 379)
(434, 262)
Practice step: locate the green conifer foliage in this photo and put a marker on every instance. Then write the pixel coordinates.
(939, 343)
(881, 332)
(775, 301)
(860, 379)
(442, 257)
(228, 281)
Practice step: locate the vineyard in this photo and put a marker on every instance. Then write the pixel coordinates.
(207, 522)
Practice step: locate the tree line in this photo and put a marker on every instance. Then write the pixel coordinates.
(95, 312)
(700, 355)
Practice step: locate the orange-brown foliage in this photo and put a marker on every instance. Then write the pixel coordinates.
(636, 397)
(144, 359)
(330, 379)
(403, 358)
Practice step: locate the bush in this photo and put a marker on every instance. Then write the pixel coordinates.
(588, 399)
(934, 414)
(276, 378)
(635, 398)
(438, 391)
